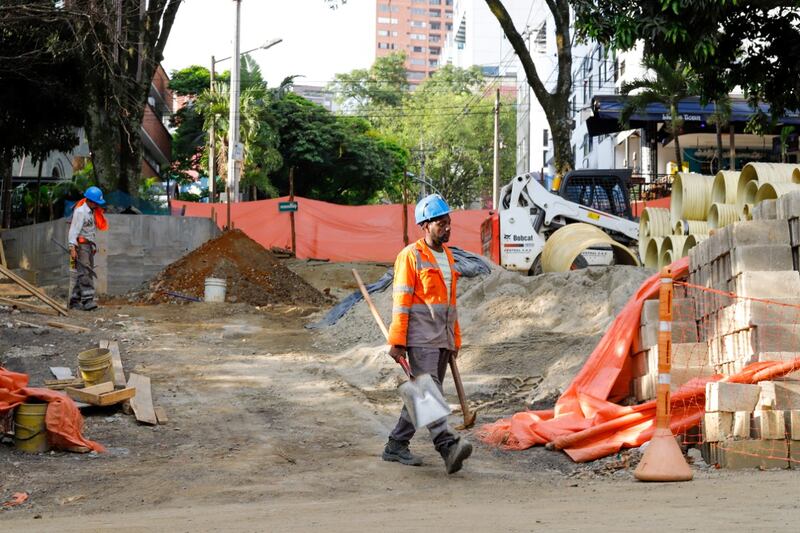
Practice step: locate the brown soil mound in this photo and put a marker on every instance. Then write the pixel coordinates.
(253, 274)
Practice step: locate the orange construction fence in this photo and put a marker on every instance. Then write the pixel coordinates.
(336, 232)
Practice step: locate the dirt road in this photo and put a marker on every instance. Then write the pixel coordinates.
(268, 431)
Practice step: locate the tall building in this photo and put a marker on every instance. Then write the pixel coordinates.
(416, 27)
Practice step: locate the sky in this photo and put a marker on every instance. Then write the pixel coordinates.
(318, 42)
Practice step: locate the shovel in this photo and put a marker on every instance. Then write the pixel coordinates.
(423, 401)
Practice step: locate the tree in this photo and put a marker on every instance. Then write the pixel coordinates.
(720, 118)
(668, 85)
(555, 104)
(41, 82)
(121, 45)
(383, 84)
(726, 42)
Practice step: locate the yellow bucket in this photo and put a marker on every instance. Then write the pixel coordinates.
(30, 434)
(95, 366)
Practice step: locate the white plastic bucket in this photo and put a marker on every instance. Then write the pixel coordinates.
(215, 290)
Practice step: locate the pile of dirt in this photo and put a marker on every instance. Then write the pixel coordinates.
(253, 274)
(539, 329)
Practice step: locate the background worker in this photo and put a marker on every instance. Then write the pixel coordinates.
(87, 218)
(425, 327)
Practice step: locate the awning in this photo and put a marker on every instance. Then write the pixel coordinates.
(607, 109)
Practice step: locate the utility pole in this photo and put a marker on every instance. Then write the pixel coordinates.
(496, 173)
(422, 169)
(212, 144)
(234, 154)
(405, 207)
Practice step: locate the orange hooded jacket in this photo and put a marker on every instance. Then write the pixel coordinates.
(100, 221)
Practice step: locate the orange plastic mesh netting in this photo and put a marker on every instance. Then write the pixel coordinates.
(63, 420)
(585, 424)
(336, 232)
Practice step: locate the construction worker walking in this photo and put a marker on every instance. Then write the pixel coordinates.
(425, 327)
(87, 218)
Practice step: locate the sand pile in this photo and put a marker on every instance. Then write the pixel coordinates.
(253, 275)
(517, 326)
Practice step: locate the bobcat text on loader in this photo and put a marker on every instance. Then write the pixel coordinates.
(528, 214)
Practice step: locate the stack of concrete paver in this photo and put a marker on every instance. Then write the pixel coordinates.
(689, 357)
(751, 426)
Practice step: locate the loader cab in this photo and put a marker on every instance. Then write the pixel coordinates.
(603, 190)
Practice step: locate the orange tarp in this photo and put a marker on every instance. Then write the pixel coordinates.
(336, 232)
(585, 424)
(63, 420)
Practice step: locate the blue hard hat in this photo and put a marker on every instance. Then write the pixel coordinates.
(95, 195)
(430, 207)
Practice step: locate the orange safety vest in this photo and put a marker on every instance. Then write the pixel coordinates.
(100, 221)
(423, 314)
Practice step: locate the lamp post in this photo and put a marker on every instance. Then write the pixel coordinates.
(212, 163)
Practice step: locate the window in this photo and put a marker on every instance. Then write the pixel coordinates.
(574, 110)
(383, 33)
(417, 36)
(434, 38)
(585, 145)
(448, 2)
(447, 25)
(621, 69)
(545, 136)
(417, 61)
(448, 15)
(435, 2)
(540, 41)
(418, 49)
(386, 46)
(591, 87)
(433, 63)
(436, 25)
(435, 50)
(418, 24)
(386, 20)
(418, 11)
(414, 75)
(435, 13)
(544, 157)
(611, 72)
(386, 8)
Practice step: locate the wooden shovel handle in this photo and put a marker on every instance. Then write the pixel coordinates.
(367, 299)
(462, 398)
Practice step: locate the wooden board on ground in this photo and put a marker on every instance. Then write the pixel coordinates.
(61, 384)
(94, 396)
(68, 327)
(161, 415)
(3, 255)
(22, 304)
(33, 290)
(116, 362)
(62, 372)
(142, 403)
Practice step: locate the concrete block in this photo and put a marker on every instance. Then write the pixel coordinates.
(789, 205)
(643, 388)
(796, 257)
(767, 284)
(794, 231)
(765, 210)
(768, 425)
(747, 313)
(744, 454)
(760, 257)
(775, 338)
(759, 232)
(731, 397)
(682, 332)
(766, 397)
(793, 423)
(682, 310)
(717, 426)
(741, 424)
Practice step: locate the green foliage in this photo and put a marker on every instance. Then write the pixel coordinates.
(383, 84)
(726, 42)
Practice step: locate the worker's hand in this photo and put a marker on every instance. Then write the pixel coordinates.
(73, 252)
(396, 352)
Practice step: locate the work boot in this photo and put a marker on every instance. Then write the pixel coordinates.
(455, 454)
(89, 306)
(397, 450)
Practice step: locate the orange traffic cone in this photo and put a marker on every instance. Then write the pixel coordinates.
(663, 459)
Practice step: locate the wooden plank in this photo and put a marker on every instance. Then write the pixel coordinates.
(90, 395)
(61, 384)
(142, 403)
(21, 304)
(3, 255)
(33, 290)
(68, 327)
(116, 362)
(29, 324)
(111, 398)
(161, 415)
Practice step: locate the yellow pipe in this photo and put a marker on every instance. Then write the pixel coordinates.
(565, 245)
(723, 190)
(721, 215)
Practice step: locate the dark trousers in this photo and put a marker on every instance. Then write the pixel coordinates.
(433, 361)
(83, 288)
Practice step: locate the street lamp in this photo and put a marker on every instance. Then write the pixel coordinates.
(212, 130)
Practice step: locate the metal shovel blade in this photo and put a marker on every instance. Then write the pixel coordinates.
(424, 402)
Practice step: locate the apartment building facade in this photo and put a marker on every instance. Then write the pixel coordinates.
(416, 27)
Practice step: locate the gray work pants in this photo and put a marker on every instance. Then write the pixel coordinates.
(83, 288)
(433, 361)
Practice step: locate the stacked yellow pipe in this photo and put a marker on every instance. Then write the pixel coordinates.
(691, 227)
(723, 190)
(762, 173)
(720, 215)
(671, 249)
(772, 191)
(652, 255)
(653, 223)
(566, 244)
(691, 197)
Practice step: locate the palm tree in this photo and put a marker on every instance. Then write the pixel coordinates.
(720, 118)
(668, 84)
